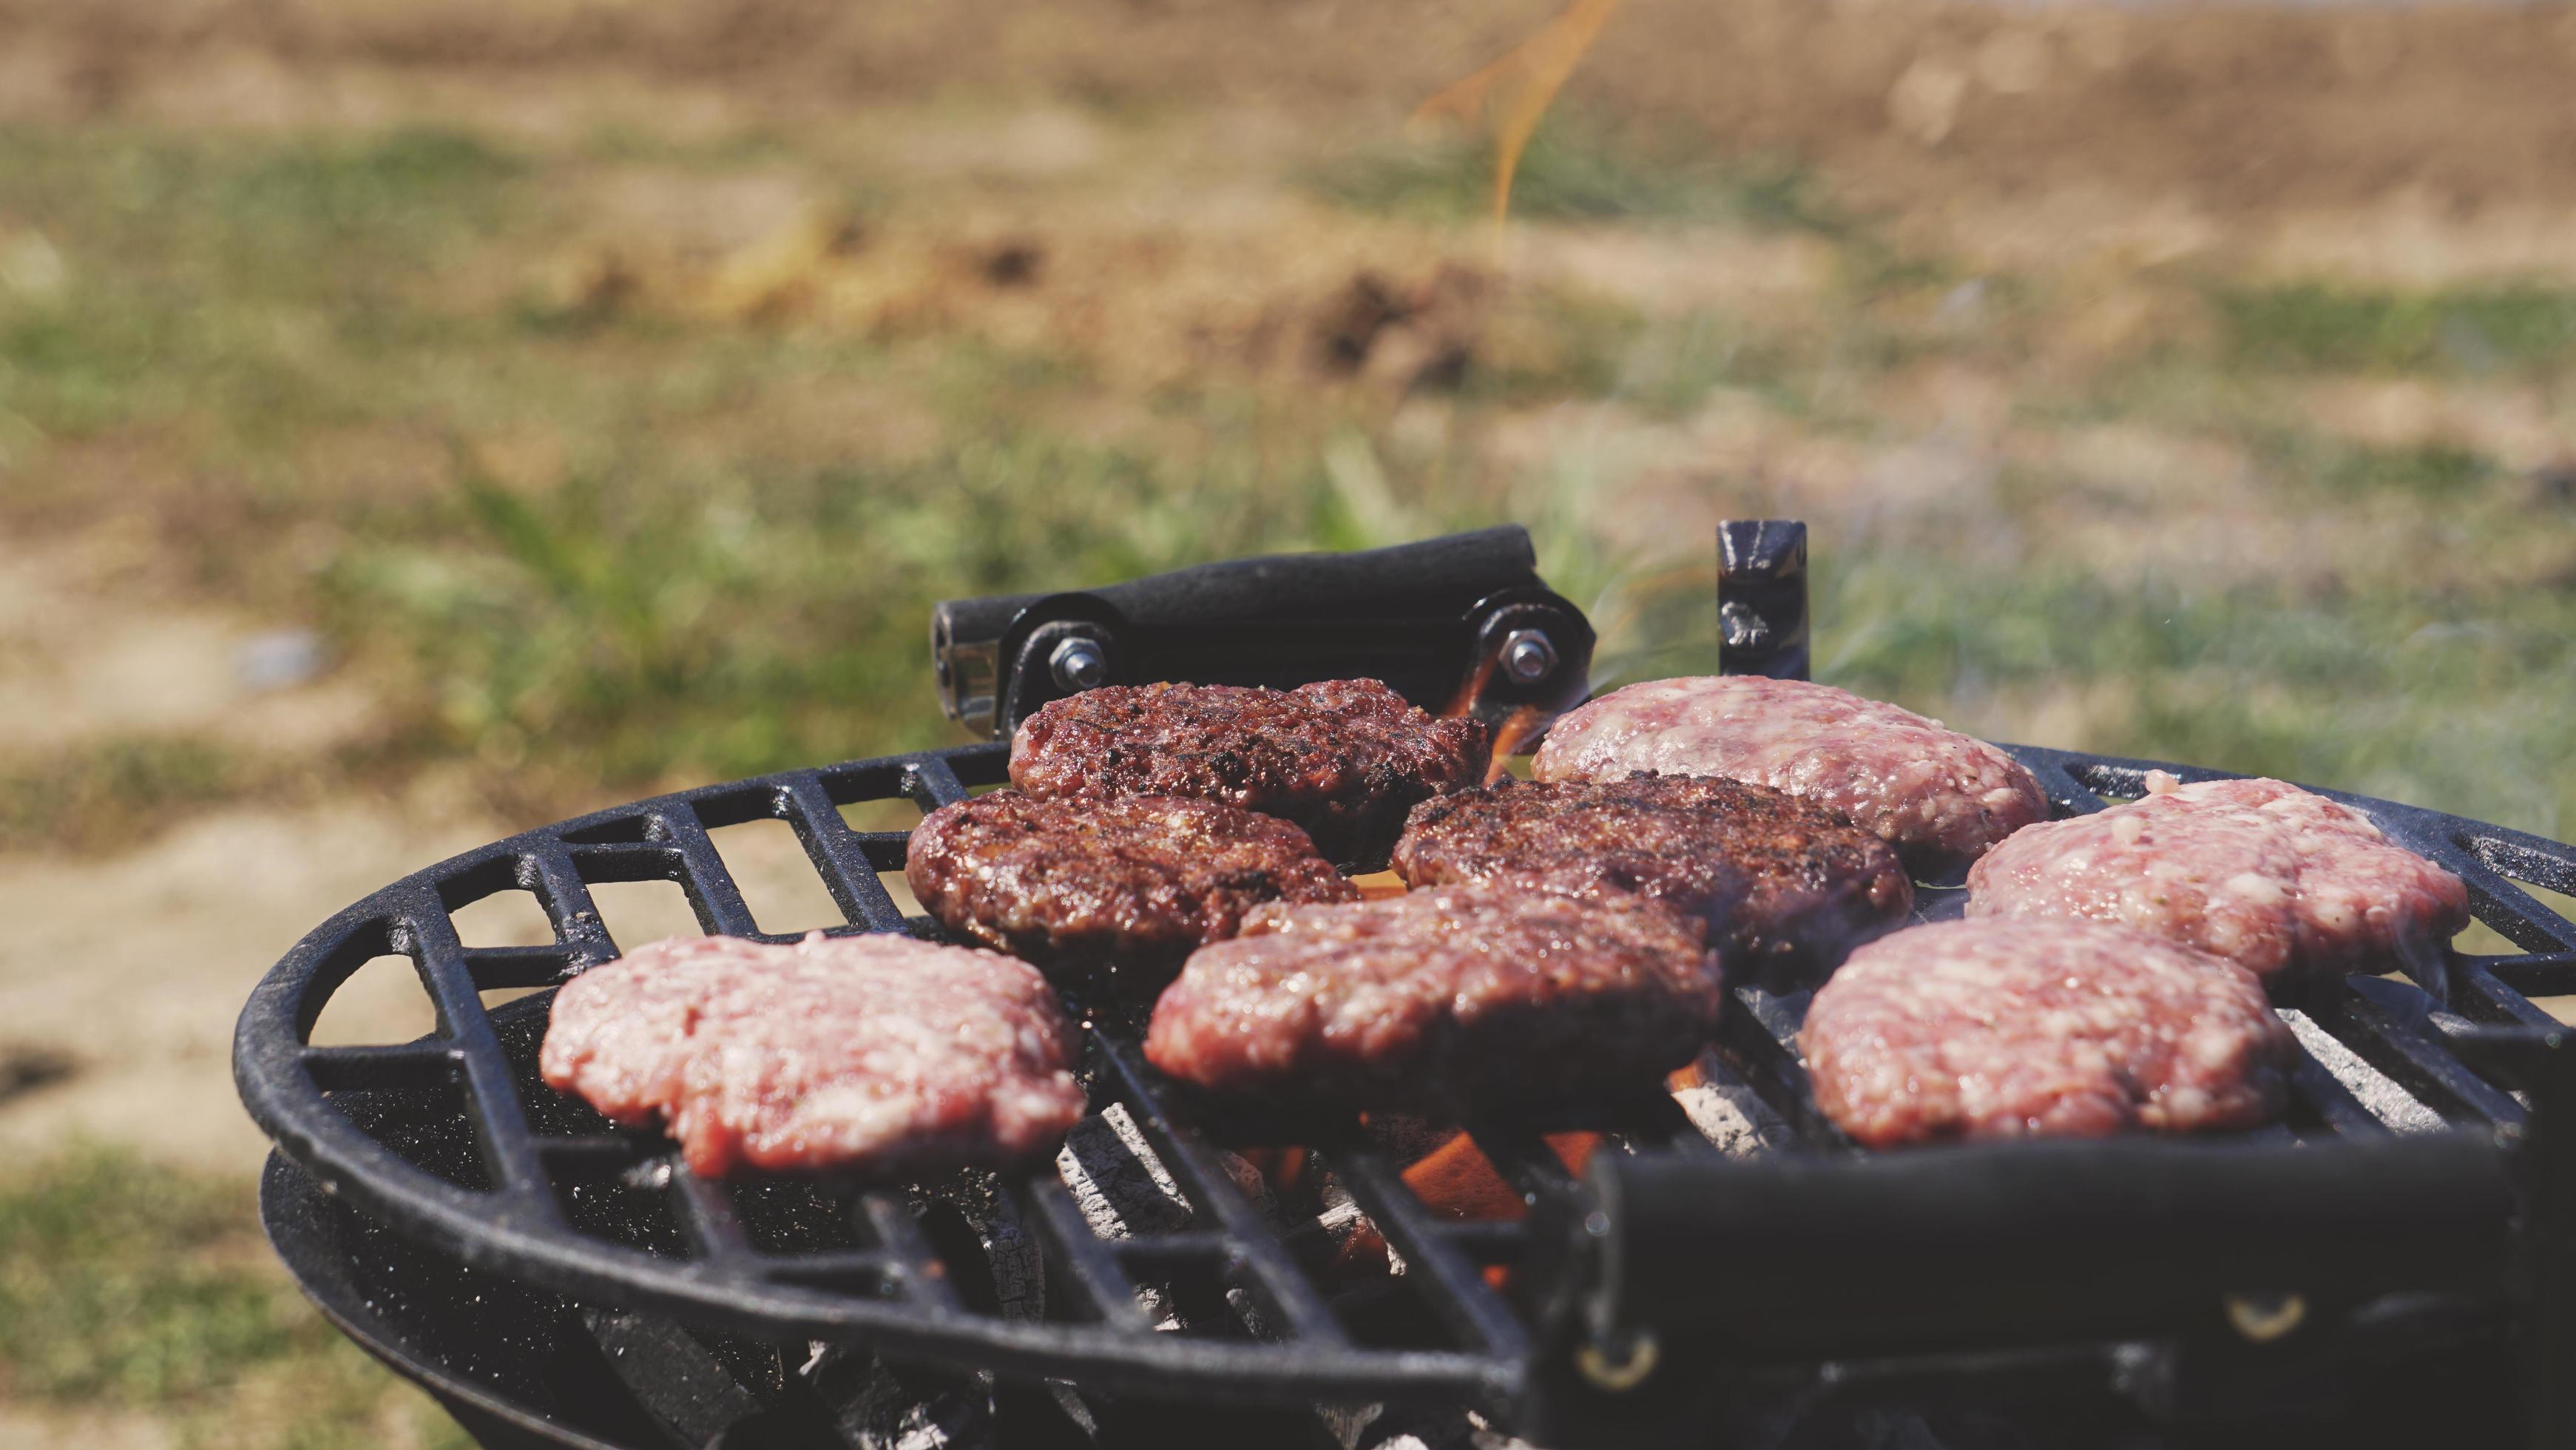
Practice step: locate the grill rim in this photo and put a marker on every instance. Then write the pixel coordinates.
(517, 1228)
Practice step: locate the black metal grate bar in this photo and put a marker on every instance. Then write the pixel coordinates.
(500, 1128)
(2318, 1090)
(1289, 1296)
(919, 1269)
(1520, 1153)
(707, 1214)
(712, 892)
(552, 874)
(932, 782)
(839, 856)
(1461, 1298)
(500, 968)
(407, 1066)
(2540, 974)
(1082, 1261)
(2427, 1070)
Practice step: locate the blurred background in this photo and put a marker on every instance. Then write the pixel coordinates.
(423, 419)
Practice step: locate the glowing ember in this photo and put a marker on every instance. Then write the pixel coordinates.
(1517, 89)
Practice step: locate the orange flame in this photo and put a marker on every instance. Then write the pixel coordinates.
(1519, 88)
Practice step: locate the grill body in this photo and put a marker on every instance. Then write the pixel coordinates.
(450, 1144)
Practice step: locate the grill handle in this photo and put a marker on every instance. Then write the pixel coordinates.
(1460, 623)
(1831, 1257)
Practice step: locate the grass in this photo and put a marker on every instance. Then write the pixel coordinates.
(103, 793)
(1576, 172)
(2327, 327)
(130, 1288)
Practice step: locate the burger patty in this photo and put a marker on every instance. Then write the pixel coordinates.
(1345, 759)
(1938, 797)
(2278, 880)
(1128, 885)
(1780, 882)
(1454, 998)
(869, 1054)
(1997, 1029)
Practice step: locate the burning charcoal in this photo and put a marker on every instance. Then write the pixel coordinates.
(1719, 1120)
(1122, 1190)
(1398, 1427)
(877, 1406)
(973, 1204)
(1019, 1274)
(1117, 1182)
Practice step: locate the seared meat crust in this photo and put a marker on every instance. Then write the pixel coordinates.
(1784, 885)
(1451, 999)
(1345, 759)
(1124, 886)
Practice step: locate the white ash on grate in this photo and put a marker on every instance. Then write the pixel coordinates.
(1720, 1120)
(2378, 1092)
(1117, 1182)
(1411, 1427)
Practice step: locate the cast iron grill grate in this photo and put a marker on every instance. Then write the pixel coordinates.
(452, 1141)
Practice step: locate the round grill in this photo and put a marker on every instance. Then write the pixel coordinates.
(451, 1140)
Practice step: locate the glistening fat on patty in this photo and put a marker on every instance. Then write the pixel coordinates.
(1939, 797)
(1120, 888)
(1450, 999)
(1783, 884)
(1344, 759)
(876, 1055)
(2281, 881)
(2007, 1029)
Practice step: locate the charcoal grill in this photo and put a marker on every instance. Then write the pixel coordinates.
(2390, 1264)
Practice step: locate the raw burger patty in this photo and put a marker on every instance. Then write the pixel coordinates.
(1129, 884)
(1778, 880)
(1345, 759)
(2002, 1029)
(2282, 882)
(1456, 997)
(873, 1054)
(1939, 797)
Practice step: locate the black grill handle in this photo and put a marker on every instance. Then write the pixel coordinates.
(1815, 1257)
(1461, 623)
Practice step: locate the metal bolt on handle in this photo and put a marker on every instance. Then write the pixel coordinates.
(1529, 656)
(1078, 664)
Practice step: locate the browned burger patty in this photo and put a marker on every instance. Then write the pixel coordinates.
(1449, 999)
(1345, 759)
(1127, 885)
(1781, 883)
(866, 1054)
(2007, 1029)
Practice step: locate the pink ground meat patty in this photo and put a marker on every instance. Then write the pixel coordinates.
(867, 1054)
(2003, 1029)
(1938, 797)
(1457, 997)
(2278, 880)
